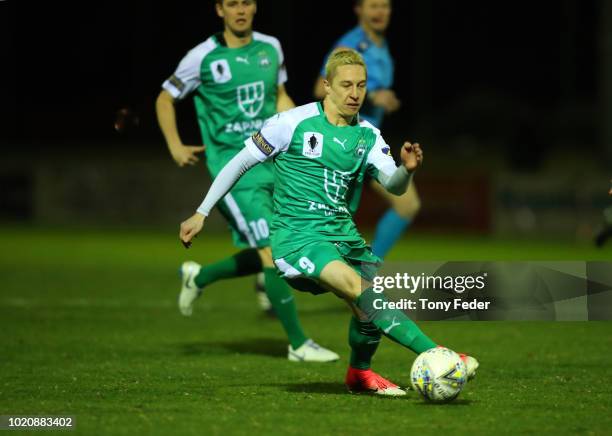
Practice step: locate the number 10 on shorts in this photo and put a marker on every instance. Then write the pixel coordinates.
(260, 229)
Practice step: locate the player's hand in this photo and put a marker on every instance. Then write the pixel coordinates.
(411, 155)
(186, 154)
(190, 228)
(386, 99)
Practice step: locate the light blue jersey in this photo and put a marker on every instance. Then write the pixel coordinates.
(379, 64)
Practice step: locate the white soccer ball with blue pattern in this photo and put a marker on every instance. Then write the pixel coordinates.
(438, 374)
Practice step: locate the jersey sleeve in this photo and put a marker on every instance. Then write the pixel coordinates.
(380, 160)
(273, 138)
(186, 78)
(379, 76)
(226, 179)
(282, 69)
(281, 77)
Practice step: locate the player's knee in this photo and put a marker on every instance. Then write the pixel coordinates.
(265, 254)
(356, 287)
(342, 280)
(352, 286)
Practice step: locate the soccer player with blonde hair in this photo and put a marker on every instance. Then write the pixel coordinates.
(368, 38)
(321, 153)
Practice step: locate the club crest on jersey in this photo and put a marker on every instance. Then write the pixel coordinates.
(221, 71)
(313, 145)
(386, 150)
(251, 98)
(264, 60)
(360, 150)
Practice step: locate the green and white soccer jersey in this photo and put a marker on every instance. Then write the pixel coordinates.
(235, 90)
(318, 166)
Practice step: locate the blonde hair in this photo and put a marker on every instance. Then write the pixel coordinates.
(342, 56)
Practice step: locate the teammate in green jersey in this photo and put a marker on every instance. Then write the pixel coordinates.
(321, 153)
(237, 81)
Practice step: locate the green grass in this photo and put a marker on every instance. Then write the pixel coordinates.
(90, 329)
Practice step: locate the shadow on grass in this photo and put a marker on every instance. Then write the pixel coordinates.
(338, 388)
(262, 347)
(305, 312)
(458, 402)
(324, 310)
(331, 388)
(326, 388)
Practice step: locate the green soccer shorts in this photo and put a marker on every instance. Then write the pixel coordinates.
(302, 269)
(249, 215)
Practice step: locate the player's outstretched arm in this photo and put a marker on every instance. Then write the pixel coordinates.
(224, 181)
(190, 228)
(396, 180)
(411, 155)
(166, 117)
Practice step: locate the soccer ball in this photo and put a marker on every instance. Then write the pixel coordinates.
(438, 374)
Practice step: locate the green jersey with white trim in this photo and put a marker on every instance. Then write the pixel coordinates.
(318, 167)
(234, 90)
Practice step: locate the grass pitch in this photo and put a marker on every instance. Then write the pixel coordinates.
(91, 329)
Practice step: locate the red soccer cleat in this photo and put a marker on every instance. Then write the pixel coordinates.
(471, 364)
(366, 380)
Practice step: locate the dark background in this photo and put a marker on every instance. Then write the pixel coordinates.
(514, 74)
(511, 100)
